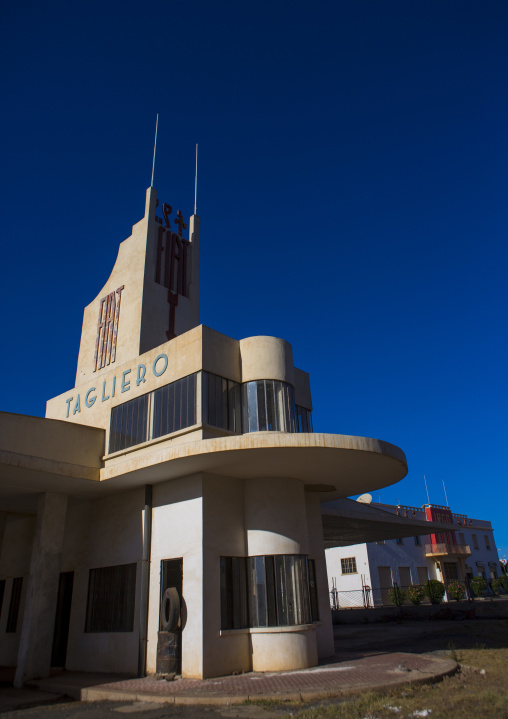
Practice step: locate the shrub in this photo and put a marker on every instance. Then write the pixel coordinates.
(496, 585)
(434, 590)
(415, 594)
(478, 585)
(397, 596)
(499, 583)
(456, 590)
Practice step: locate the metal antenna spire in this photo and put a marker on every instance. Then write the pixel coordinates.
(445, 494)
(196, 182)
(154, 148)
(427, 489)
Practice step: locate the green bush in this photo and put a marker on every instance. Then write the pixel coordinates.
(434, 590)
(415, 594)
(496, 585)
(500, 583)
(456, 590)
(478, 585)
(397, 596)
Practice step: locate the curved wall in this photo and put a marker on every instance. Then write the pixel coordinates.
(266, 358)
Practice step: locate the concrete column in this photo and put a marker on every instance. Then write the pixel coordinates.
(275, 517)
(34, 654)
(276, 523)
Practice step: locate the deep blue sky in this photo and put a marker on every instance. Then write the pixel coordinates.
(353, 177)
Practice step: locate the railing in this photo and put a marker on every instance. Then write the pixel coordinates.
(367, 598)
(432, 550)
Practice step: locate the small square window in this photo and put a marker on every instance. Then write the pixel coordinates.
(399, 540)
(348, 565)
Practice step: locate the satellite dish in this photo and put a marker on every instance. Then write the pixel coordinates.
(365, 498)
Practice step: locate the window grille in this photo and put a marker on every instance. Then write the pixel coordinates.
(348, 565)
(111, 599)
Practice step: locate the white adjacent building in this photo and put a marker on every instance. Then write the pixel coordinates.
(467, 549)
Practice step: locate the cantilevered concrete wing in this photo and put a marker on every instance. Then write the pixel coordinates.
(347, 522)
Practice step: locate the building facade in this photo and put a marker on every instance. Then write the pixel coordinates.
(167, 510)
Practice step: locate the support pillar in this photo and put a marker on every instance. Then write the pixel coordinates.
(34, 654)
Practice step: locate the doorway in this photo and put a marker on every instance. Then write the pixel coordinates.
(169, 637)
(62, 619)
(385, 583)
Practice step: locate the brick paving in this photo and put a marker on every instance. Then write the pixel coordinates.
(375, 671)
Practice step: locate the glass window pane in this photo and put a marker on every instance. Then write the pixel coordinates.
(271, 602)
(257, 593)
(129, 424)
(281, 591)
(261, 401)
(174, 406)
(204, 397)
(270, 406)
(252, 406)
(224, 404)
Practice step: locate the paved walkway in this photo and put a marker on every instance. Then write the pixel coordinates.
(378, 671)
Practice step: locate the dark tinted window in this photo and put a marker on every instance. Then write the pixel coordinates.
(111, 599)
(129, 424)
(174, 406)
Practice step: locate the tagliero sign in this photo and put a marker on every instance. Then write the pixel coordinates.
(109, 388)
(107, 329)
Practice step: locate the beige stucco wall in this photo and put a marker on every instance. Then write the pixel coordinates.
(177, 531)
(223, 535)
(102, 533)
(144, 308)
(15, 555)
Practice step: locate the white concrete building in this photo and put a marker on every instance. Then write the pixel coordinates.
(467, 549)
(166, 511)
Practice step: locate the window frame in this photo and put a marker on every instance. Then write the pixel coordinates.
(347, 562)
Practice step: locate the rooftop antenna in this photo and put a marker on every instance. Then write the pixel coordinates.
(427, 489)
(445, 494)
(196, 182)
(154, 147)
